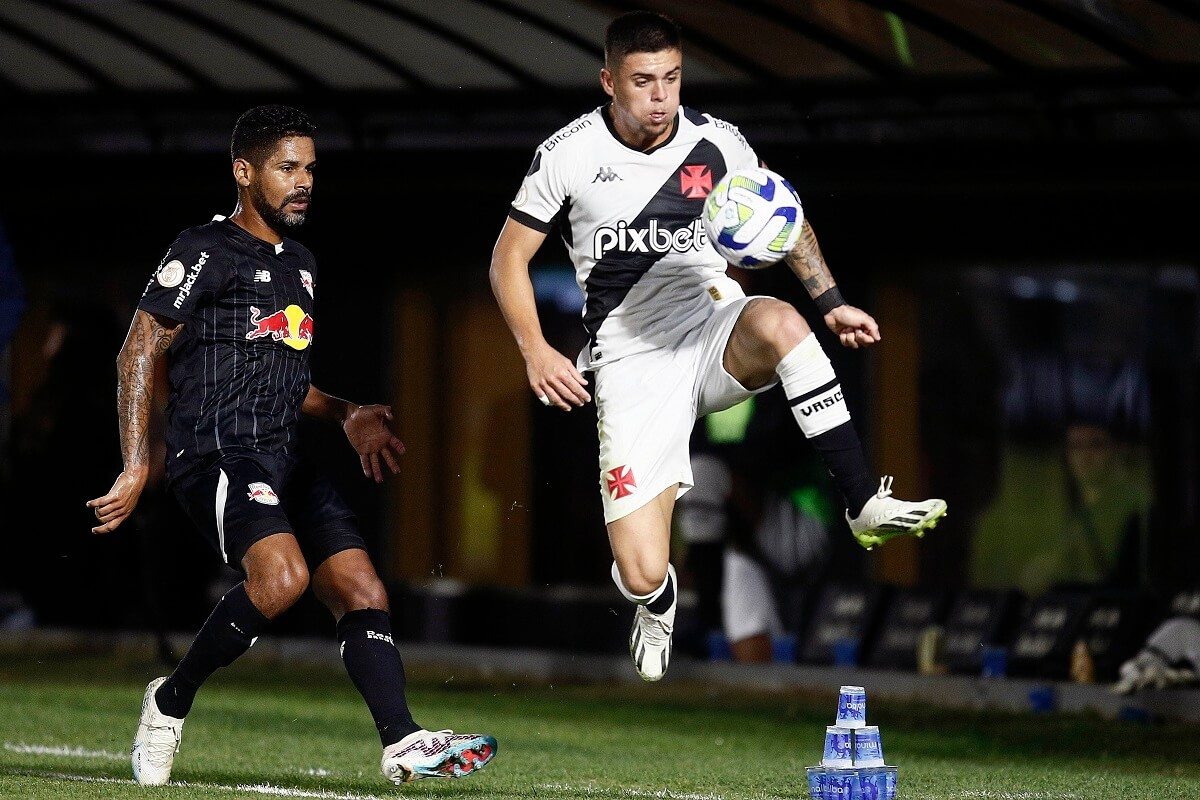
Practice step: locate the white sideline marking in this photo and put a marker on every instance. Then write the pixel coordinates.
(253, 788)
(62, 750)
(985, 794)
(656, 794)
(81, 752)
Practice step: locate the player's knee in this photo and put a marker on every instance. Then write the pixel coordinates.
(776, 324)
(288, 582)
(642, 577)
(363, 591)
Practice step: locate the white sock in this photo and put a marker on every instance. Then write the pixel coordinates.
(812, 388)
(640, 599)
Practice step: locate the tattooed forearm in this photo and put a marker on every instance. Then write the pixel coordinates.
(147, 341)
(808, 263)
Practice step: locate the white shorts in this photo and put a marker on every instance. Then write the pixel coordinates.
(647, 404)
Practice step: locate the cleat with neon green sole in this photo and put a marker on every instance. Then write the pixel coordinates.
(884, 517)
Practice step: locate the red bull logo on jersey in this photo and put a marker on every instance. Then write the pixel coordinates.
(262, 493)
(292, 326)
(654, 239)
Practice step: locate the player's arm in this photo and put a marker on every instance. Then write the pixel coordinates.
(552, 376)
(855, 327)
(145, 346)
(367, 427)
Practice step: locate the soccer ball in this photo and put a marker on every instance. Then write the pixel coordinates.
(753, 217)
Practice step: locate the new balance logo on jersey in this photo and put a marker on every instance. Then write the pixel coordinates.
(383, 637)
(607, 174)
(649, 240)
(262, 276)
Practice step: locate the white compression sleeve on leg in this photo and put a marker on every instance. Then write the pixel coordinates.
(812, 388)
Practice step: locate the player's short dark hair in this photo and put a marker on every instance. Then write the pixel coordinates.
(258, 131)
(639, 32)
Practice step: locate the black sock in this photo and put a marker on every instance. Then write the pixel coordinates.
(374, 665)
(843, 455)
(663, 602)
(227, 633)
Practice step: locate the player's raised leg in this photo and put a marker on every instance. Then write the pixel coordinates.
(641, 545)
(771, 339)
(346, 582)
(276, 577)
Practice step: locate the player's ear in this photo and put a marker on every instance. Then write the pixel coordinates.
(606, 81)
(243, 171)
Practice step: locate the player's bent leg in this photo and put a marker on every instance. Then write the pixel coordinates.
(769, 330)
(276, 574)
(275, 578)
(766, 331)
(641, 544)
(346, 582)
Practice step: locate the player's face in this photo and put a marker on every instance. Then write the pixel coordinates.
(281, 188)
(645, 91)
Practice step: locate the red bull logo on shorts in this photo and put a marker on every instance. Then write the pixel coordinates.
(262, 493)
(292, 326)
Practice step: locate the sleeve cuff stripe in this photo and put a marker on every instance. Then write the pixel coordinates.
(530, 221)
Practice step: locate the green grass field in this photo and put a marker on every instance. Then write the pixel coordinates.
(258, 730)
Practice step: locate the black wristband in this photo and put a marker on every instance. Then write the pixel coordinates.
(829, 299)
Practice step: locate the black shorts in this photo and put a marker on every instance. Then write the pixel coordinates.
(235, 499)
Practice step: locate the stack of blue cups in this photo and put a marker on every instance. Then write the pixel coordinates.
(852, 767)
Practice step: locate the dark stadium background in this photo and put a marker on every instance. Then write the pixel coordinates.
(918, 179)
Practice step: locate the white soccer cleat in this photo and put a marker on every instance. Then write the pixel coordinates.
(437, 754)
(156, 741)
(884, 517)
(650, 639)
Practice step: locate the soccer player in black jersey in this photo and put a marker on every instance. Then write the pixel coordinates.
(230, 309)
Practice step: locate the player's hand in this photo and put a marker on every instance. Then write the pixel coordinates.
(122, 498)
(371, 436)
(554, 379)
(853, 326)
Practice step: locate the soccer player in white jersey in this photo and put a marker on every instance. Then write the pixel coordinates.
(672, 336)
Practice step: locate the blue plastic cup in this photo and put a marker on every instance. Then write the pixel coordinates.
(839, 748)
(843, 784)
(868, 747)
(852, 707)
(878, 783)
(816, 782)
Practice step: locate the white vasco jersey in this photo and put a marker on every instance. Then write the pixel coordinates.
(631, 223)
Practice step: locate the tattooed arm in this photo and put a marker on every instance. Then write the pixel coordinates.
(145, 345)
(853, 326)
